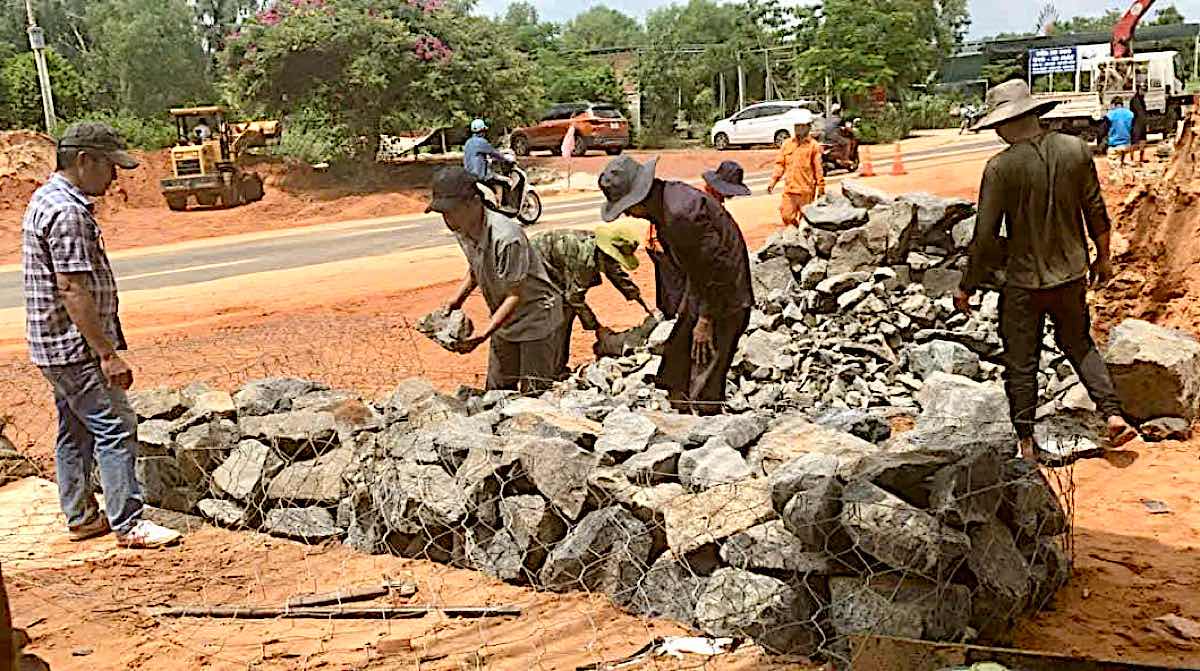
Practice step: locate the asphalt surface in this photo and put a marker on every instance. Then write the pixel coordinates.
(298, 248)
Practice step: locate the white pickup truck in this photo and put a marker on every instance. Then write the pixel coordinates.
(1081, 112)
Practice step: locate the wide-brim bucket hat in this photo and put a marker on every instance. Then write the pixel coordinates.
(1012, 100)
(625, 183)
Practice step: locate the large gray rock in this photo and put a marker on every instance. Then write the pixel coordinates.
(902, 606)
(739, 431)
(771, 548)
(670, 590)
(539, 418)
(535, 526)
(270, 396)
(244, 474)
(940, 356)
(320, 481)
(482, 476)
(687, 430)
(608, 551)
(164, 486)
(1003, 577)
(419, 402)
(970, 491)
(761, 349)
(808, 496)
(1030, 507)
(417, 499)
(779, 616)
(160, 403)
(868, 426)
(446, 328)
(838, 216)
(625, 434)
(695, 520)
(859, 249)
(937, 216)
(794, 436)
(714, 464)
(789, 243)
(941, 282)
(863, 195)
(560, 470)
(308, 525)
(225, 513)
(1050, 569)
(660, 462)
(202, 448)
(1166, 428)
(1156, 370)
(154, 437)
(975, 408)
(774, 275)
(366, 529)
(838, 284)
(13, 465)
(899, 534)
(294, 435)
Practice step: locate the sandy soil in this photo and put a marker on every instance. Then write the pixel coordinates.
(1132, 566)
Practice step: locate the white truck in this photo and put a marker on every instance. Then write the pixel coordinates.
(1101, 78)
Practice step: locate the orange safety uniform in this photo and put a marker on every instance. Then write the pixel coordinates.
(799, 165)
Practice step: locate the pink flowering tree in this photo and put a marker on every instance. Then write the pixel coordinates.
(377, 66)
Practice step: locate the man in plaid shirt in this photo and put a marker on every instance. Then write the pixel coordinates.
(74, 335)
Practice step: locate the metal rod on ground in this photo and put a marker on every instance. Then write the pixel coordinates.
(366, 613)
(402, 589)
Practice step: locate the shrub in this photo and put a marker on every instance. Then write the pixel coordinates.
(889, 124)
(21, 95)
(312, 136)
(929, 111)
(154, 133)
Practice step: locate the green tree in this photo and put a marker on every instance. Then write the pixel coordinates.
(21, 96)
(1168, 16)
(146, 56)
(601, 28)
(218, 19)
(532, 35)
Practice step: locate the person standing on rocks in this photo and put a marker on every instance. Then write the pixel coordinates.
(576, 260)
(1045, 190)
(704, 241)
(75, 336)
(526, 305)
(799, 166)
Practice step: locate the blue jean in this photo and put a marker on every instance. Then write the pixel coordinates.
(96, 426)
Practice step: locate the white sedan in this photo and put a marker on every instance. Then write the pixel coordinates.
(764, 123)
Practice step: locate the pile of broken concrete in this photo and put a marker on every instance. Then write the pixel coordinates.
(769, 526)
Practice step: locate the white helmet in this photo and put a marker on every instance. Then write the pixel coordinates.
(478, 126)
(803, 117)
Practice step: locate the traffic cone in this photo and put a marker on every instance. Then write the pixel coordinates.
(898, 163)
(867, 169)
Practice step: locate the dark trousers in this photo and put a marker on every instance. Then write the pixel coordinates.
(669, 284)
(564, 342)
(523, 366)
(1023, 314)
(696, 388)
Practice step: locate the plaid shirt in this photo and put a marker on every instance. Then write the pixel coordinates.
(59, 235)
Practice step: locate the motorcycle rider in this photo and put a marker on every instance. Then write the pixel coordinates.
(477, 156)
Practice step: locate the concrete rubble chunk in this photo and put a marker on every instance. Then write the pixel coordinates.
(272, 395)
(295, 435)
(446, 328)
(694, 520)
(771, 547)
(244, 473)
(902, 606)
(835, 216)
(777, 615)
(224, 513)
(716, 463)
(899, 534)
(1156, 370)
(159, 403)
(1166, 428)
(940, 356)
(320, 481)
(670, 590)
(608, 551)
(659, 463)
(560, 469)
(863, 195)
(308, 525)
(793, 436)
(624, 434)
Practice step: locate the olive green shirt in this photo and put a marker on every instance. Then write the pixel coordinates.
(576, 264)
(1046, 194)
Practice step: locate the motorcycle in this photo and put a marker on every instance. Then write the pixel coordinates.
(970, 116)
(519, 199)
(841, 155)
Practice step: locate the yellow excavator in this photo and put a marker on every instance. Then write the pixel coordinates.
(204, 160)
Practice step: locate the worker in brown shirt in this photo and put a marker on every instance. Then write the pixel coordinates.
(799, 165)
(1045, 191)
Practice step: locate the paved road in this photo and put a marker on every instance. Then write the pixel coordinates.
(218, 259)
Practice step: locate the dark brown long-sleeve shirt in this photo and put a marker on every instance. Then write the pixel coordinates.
(1046, 194)
(704, 240)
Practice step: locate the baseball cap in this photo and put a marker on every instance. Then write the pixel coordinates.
(100, 137)
(450, 187)
(478, 125)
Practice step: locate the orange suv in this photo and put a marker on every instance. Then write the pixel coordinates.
(597, 126)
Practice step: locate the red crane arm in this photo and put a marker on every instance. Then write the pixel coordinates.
(1122, 34)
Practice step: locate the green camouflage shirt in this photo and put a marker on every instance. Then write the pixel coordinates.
(575, 264)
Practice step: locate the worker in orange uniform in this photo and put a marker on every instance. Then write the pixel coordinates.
(799, 165)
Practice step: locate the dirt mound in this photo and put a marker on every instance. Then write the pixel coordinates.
(26, 158)
(1157, 244)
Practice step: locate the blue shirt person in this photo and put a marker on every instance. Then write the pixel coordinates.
(477, 151)
(1120, 125)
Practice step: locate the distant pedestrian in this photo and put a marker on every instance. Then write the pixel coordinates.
(727, 181)
(1120, 131)
(704, 241)
(75, 337)
(526, 305)
(576, 261)
(1137, 105)
(799, 166)
(1044, 191)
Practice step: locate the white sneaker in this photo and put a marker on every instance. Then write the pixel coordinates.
(147, 535)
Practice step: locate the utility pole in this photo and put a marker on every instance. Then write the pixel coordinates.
(37, 42)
